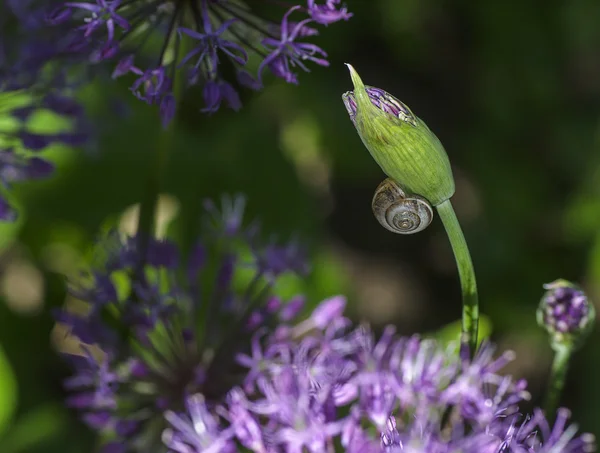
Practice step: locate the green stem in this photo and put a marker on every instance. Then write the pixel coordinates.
(149, 204)
(470, 312)
(560, 365)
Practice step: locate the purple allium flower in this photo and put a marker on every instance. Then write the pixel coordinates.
(566, 313)
(219, 37)
(165, 341)
(21, 139)
(315, 385)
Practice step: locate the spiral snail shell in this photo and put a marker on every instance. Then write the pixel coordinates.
(397, 212)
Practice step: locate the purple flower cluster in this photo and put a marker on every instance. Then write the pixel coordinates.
(150, 339)
(566, 313)
(30, 86)
(318, 384)
(214, 41)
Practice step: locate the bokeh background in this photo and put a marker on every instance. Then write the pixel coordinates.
(511, 88)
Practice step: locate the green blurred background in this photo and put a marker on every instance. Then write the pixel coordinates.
(511, 88)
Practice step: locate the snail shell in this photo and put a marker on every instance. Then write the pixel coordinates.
(400, 213)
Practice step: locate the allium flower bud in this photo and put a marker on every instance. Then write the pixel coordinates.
(566, 313)
(400, 142)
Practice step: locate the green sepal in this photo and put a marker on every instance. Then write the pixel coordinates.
(405, 149)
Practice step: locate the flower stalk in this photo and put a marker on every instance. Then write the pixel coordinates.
(466, 272)
(558, 374)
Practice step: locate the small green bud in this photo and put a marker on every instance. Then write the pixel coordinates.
(400, 142)
(566, 314)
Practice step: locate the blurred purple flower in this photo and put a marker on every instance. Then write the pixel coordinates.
(34, 77)
(28, 45)
(163, 338)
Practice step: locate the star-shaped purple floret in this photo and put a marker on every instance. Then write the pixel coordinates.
(104, 12)
(286, 54)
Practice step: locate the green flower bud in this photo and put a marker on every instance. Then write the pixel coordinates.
(566, 314)
(400, 142)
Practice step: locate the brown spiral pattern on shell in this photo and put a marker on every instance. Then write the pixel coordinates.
(399, 213)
